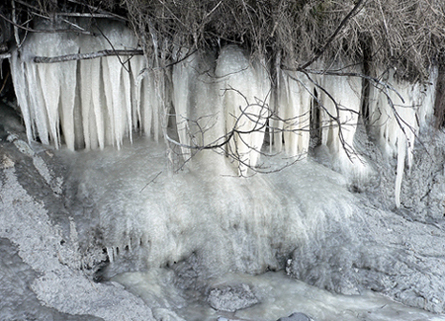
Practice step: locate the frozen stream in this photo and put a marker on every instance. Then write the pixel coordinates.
(281, 296)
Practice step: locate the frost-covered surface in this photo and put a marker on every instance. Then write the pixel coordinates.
(342, 241)
(187, 230)
(18, 301)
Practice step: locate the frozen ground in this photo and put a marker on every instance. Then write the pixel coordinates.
(72, 219)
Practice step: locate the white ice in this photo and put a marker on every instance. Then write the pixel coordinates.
(91, 100)
(245, 91)
(233, 226)
(293, 105)
(280, 296)
(102, 101)
(139, 204)
(397, 109)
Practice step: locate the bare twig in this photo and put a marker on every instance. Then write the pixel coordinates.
(16, 33)
(99, 10)
(4, 82)
(16, 25)
(90, 15)
(157, 175)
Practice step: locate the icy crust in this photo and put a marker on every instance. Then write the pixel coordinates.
(277, 296)
(245, 225)
(221, 100)
(18, 302)
(205, 222)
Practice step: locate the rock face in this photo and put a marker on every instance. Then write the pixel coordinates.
(383, 248)
(18, 301)
(42, 270)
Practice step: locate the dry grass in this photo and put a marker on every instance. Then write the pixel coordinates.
(407, 34)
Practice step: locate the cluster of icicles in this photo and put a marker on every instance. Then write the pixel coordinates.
(207, 99)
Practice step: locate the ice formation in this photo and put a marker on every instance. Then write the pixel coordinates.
(46, 92)
(95, 102)
(244, 89)
(397, 110)
(340, 102)
(233, 224)
(293, 104)
(208, 99)
(199, 120)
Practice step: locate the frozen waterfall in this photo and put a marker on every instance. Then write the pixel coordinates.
(214, 241)
(223, 100)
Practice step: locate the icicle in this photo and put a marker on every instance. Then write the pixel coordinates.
(115, 78)
(115, 70)
(245, 106)
(183, 80)
(102, 113)
(127, 101)
(159, 113)
(401, 142)
(68, 86)
(111, 254)
(339, 113)
(261, 111)
(97, 102)
(276, 126)
(397, 126)
(138, 65)
(49, 94)
(293, 106)
(207, 106)
(148, 107)
(36, 101)
(86, 83)
(427, 98)
(147, 103)
(92, 101)
(49, 78)
(51, 87)
(199, 114)
(21, 86)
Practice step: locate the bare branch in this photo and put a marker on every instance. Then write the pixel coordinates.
(91, 15)
(91, 55)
